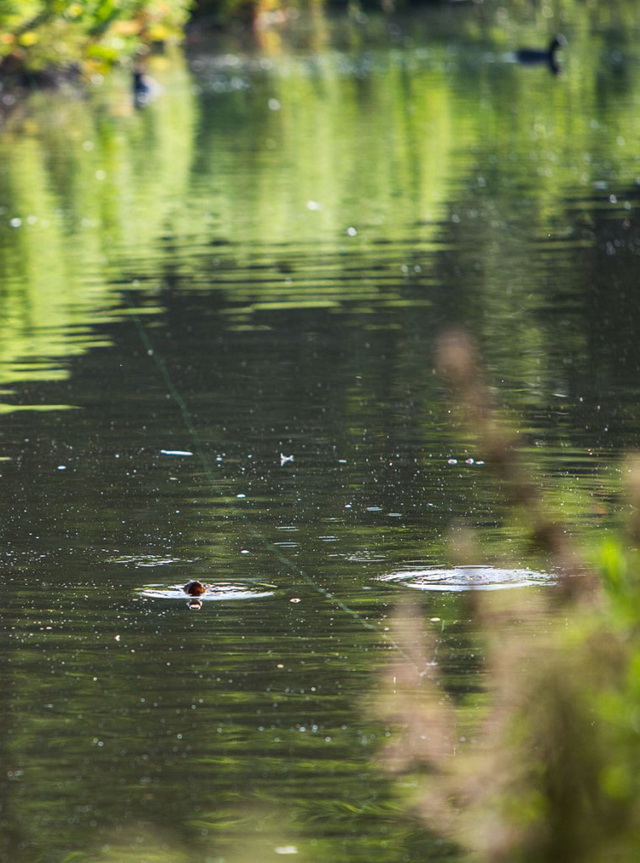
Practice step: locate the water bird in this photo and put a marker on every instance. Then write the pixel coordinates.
(194, 588)
(540, 56)
(144, 88)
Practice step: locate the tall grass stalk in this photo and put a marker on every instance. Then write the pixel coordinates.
(549, 770)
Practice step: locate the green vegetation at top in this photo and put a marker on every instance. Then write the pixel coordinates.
(45, 36)
(50, 38)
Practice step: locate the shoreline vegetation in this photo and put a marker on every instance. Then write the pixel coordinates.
(46, 42)
(49, 42)
(54, 42)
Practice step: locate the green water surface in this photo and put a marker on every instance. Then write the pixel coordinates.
(217, 328)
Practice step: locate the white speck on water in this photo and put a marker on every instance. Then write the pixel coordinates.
(274, 105)
(15, 223)
(452, 461)
(241, 496)
(180, 452)
(313, 205)
(352, 232)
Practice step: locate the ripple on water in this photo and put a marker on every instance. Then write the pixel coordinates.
(147, 560)
(223, 590)
(459, 578)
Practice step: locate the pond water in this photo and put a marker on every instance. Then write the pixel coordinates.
(217, 327)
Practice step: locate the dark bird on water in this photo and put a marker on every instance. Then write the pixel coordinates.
(194, 588)
(144, 88)
(540, 56)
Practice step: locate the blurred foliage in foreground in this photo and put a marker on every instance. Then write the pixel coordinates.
(547, 766)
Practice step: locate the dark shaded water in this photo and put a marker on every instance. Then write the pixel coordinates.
(217, 322)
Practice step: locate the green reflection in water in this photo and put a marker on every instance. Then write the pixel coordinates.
(81, 180)
(93, 182)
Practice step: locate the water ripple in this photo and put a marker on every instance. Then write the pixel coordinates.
(221, 591)
(461, 578)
